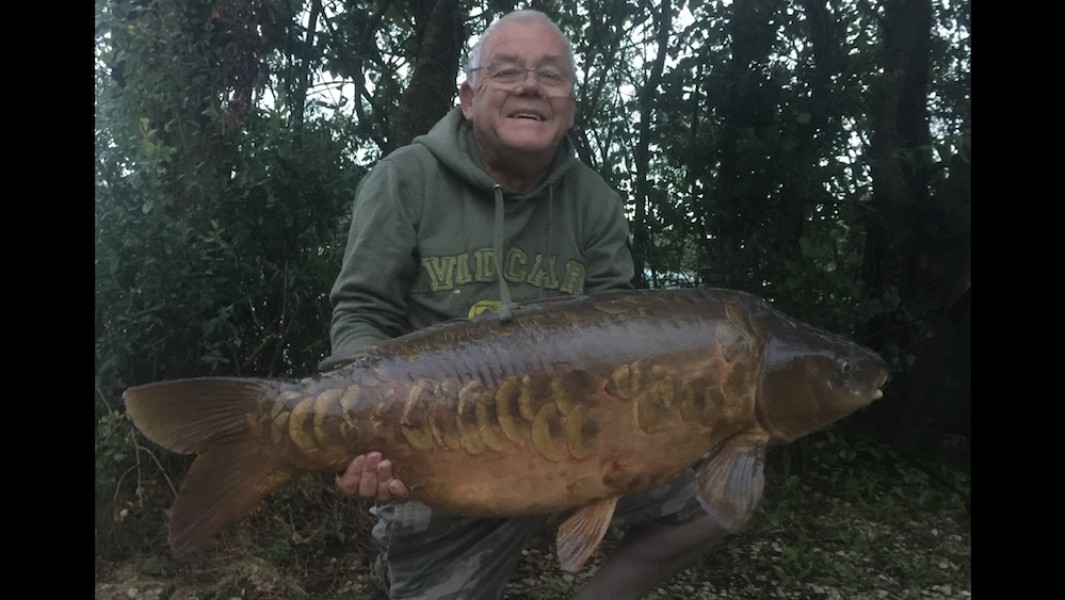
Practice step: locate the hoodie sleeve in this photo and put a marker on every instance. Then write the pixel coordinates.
(607, 252)
(380, 263)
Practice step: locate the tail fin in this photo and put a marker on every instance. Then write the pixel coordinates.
(232, 473)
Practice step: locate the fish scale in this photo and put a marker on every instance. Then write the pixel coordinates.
(572, 404)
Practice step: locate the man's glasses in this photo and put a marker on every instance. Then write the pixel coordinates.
(510, 74)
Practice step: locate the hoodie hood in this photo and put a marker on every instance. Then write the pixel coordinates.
(451, 142)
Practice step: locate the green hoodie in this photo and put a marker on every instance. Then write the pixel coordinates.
(428, 223)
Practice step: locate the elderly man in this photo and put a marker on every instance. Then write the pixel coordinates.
(490, 207)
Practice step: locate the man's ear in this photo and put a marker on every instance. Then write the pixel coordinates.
(466, 99)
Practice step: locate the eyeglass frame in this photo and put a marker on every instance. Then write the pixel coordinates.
(568, 82)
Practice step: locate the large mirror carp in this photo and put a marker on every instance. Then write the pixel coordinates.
(571, 404)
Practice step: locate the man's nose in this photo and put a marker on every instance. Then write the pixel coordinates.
(523, 85)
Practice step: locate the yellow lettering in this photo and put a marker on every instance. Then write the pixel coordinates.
(516, 260)
(538, 273)
(440, 269)
(441, 273)
(484, 260)
(573, 278)
(462, 271)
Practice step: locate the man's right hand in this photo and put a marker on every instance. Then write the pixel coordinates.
(369, 477)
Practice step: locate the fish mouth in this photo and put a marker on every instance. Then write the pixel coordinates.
(878, 385)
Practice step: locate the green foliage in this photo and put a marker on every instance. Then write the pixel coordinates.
(280, 552)
(312, 510)
(152, 565)
(214, 253)
(848, 458)
(262, 256)
(219, 231)
(114, 451)
(819, 489)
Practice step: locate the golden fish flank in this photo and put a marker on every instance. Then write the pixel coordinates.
(508, 413)
(547, 412)
(630, 389)
(466, 419)
(484, 409)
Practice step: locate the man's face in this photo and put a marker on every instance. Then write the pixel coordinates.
(527, 117)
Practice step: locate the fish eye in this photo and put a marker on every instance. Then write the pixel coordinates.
(844, 366)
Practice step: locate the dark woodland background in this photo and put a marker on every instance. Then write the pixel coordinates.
(814, 152)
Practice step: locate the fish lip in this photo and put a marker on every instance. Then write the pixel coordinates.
(878, 385)
(877, 391)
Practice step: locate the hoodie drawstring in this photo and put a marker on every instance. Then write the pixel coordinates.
(550, 222)
(505, 313)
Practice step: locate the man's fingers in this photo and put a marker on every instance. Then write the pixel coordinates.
(384, 480)
(348, 481)
(398, 490)
(368, 482)
(384, 470)
(355, 468)
(370, 477)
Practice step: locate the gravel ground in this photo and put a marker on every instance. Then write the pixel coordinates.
(925, 557)
(842, 519)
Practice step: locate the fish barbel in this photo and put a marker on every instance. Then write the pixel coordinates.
(573, 403)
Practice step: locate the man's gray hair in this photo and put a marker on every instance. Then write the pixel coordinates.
(518, 15)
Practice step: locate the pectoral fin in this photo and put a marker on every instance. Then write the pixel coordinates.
(579, 535)
(731, 480)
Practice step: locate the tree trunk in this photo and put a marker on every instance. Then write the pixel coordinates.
(918, 248)
(303, 78)
(431, 93)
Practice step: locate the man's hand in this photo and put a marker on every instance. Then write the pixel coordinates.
(368, 477)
